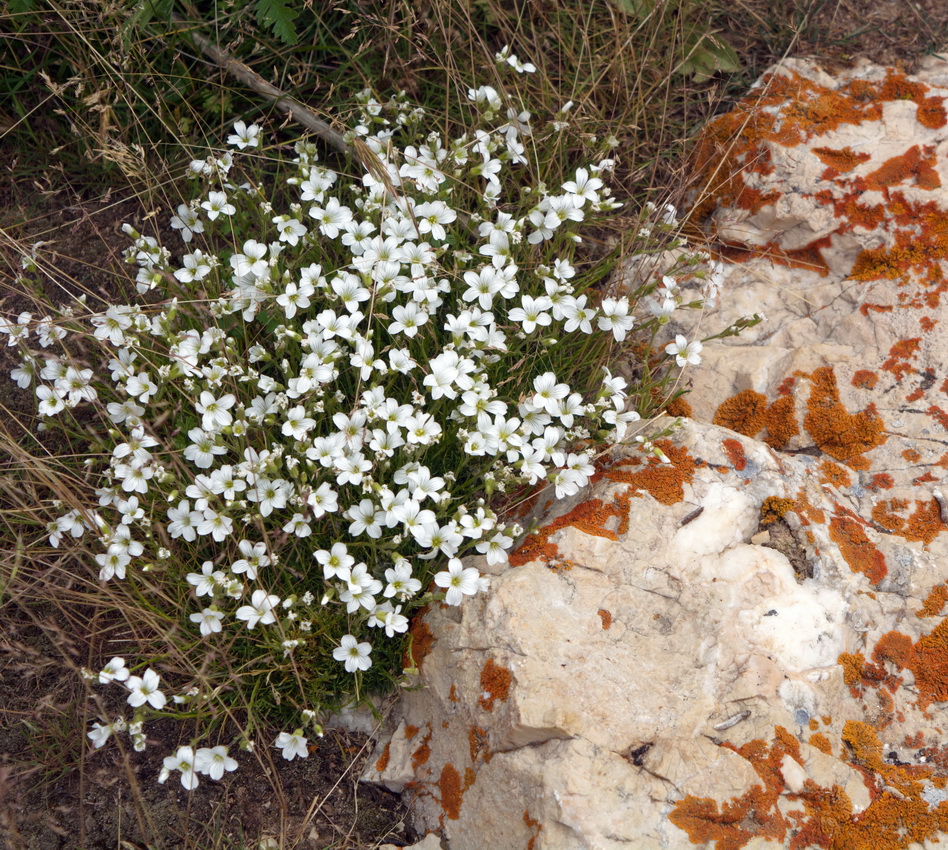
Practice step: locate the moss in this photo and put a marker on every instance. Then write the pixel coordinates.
(745, 413)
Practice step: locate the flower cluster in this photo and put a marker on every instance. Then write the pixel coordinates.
(315, 405)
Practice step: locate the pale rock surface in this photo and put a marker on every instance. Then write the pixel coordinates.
(611, 681)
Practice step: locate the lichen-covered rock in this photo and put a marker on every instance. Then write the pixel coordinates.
(746, 647)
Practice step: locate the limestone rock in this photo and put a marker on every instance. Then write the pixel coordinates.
(652, 669)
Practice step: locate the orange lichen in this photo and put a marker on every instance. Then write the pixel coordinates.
(923, 524)
(382, 761)
(679, 407)
(774, 508)
(899, 356)
(864, 379)
(927, 323)
(422, 639)
(822, 743)
(477, 743)
(848, 533)
(836, 432)
(935, 601)
(911, 455)
(897, 817)
(842, 160)
(931, 113)
(421, 755)
(534, 826)
(410, 732)
(781, 422)
(451, 791)
(453, 694)
(852, 664)
(808, 513)
(745, 413)
(606, 617)
(735, 454)
(831, 473)
(927, 658)
(495, 685)
(882, 481)
(938, 415)
(911, 165)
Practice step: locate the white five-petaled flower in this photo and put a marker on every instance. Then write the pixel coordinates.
(459, 580)
(293, 745)
(354, 654)
(182, 760)
(144, 689)
(244, 136)
(213, 761)
(683, 351)
(260, 609)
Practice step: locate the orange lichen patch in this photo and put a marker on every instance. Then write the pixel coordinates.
(735, 454)
(899, 356)
(679, 407)
(852, 664)
(808, 513)
(410, 732)
(923, 524)
(911, 455)
(885, 513)
(931, 113)
(864, 379)
(421, 642)
(451, 792)
(935, 601)
(822, 743)
(382, 761)
(814, 724)
(534, 826)
(831, 473)
(774, 508)
(882, 481)
(664, 482)
(911, 165)
(927, 478)
(927, 658)
(781, 422)
(896, 818)
(606, 617)
(477, 742)
(842, 160)
(836, 432)
(423, 753)
(453, 694)
(927, 323)
(848, 533)
(938, 415)
(495, 685)
(744, 413)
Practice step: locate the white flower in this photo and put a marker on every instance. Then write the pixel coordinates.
(209, 620)
(460, 581)
(292, 745)
(244, 136)
(354, 654)
(114, 671)
(213, 762)
(260, 609)
(684, 352)
(532, 312)
(182, 760)
(144, 689)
